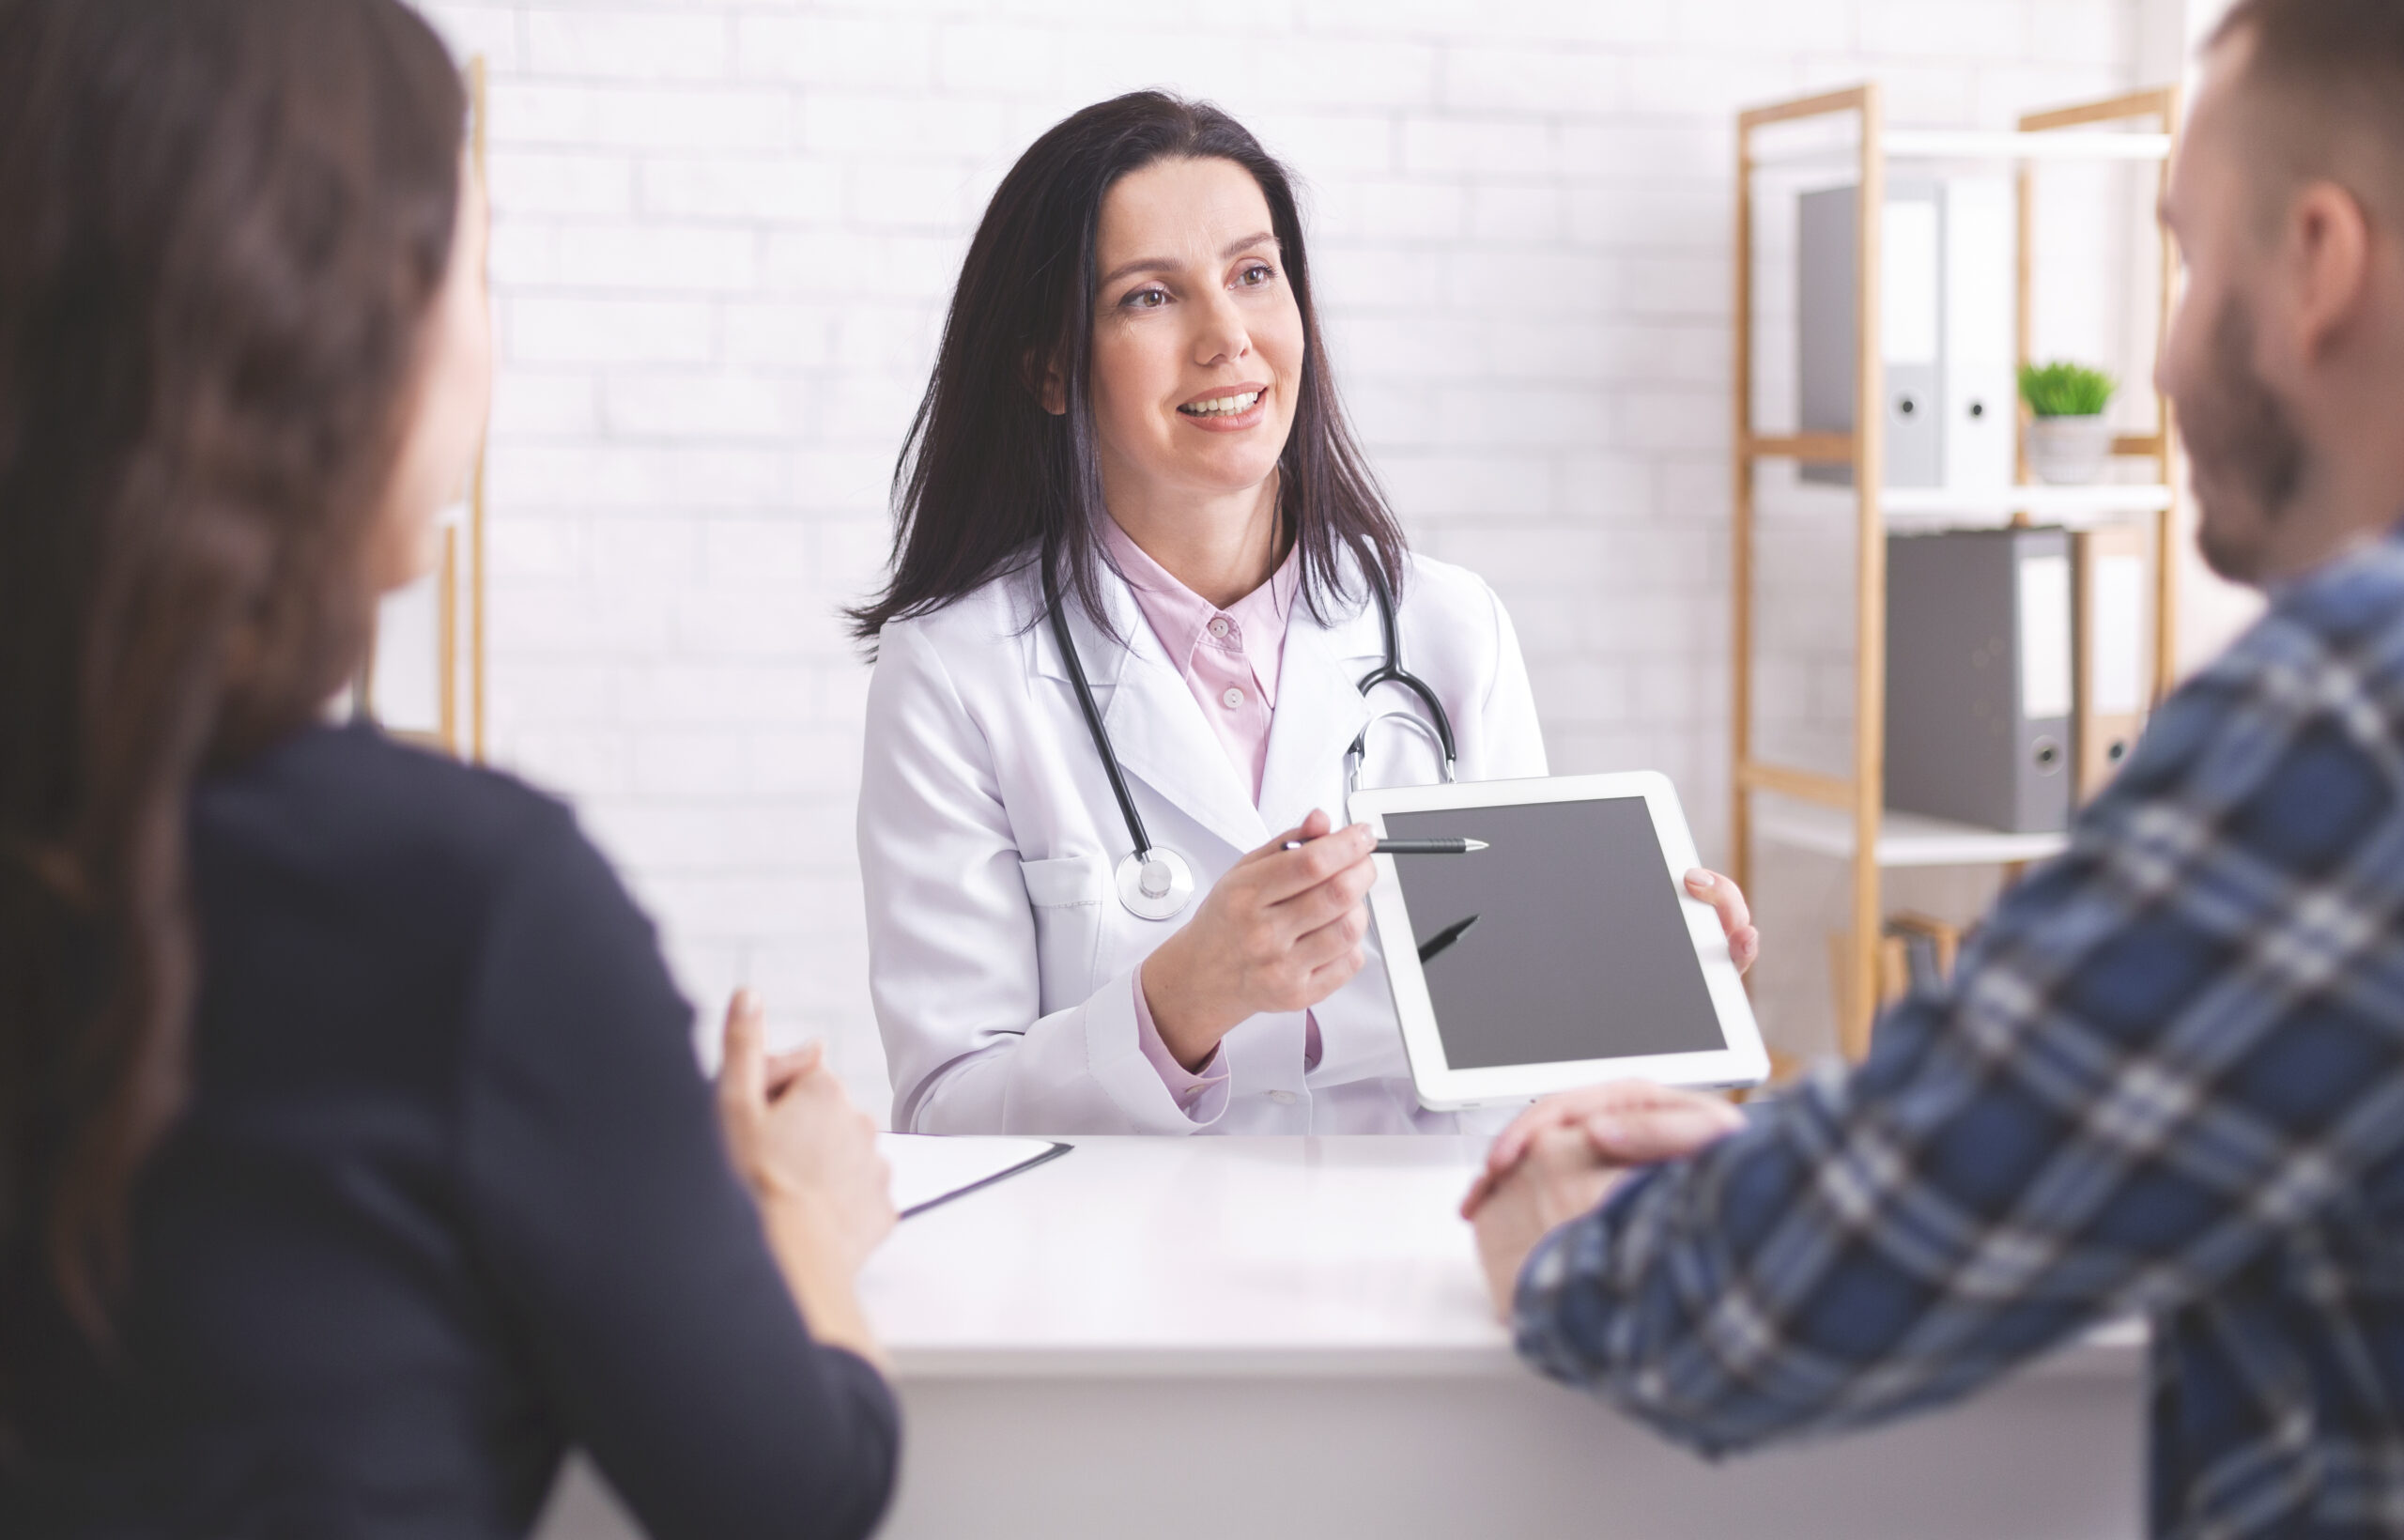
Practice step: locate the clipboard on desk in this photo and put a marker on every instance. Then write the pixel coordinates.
(931, 1169)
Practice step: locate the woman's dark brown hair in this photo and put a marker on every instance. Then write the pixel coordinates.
(988, 478)
(221, 224)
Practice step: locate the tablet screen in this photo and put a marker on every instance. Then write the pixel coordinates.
(1563, 940)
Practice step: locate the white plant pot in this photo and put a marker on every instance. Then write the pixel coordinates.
(2069, 451)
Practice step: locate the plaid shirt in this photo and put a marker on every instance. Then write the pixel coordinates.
(2167, 1079)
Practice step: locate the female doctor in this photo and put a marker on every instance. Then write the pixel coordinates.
(1149, 614)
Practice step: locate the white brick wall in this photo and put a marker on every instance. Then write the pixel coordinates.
(725, 233)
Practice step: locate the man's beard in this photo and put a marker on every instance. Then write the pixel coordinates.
(2247, 457)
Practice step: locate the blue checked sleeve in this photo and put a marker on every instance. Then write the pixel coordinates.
(2164, 1048)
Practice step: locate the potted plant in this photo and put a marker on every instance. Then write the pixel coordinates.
(2069, 441)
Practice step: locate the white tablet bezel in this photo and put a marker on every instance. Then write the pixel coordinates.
(1444, 1088)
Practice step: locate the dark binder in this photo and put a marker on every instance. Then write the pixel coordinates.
(1978, 677)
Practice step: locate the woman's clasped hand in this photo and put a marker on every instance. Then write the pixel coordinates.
(810, 1157)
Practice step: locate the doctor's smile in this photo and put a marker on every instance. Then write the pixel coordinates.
(1228, 412)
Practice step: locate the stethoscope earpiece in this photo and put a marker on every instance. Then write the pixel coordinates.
(1154, 882)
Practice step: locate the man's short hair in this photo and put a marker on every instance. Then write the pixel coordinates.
(2328, 77)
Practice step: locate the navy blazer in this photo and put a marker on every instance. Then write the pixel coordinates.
(449, 1196)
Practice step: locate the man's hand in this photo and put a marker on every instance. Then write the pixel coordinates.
(1558, 1179)
(1624, 1122)
(1559, 1157)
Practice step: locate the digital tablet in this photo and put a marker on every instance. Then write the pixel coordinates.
(1564, 952)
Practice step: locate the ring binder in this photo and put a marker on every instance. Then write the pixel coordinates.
(1980, 678)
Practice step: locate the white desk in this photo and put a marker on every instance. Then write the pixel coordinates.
(1267, 1337)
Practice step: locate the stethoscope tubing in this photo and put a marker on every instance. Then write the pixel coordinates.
(1136, 874)
(1093, 715)
(1391, 671)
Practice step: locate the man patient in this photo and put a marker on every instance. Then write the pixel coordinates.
(2168, 1076)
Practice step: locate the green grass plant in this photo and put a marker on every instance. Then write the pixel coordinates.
(2062, 389)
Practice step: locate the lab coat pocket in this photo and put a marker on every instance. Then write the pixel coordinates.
(1067, 895)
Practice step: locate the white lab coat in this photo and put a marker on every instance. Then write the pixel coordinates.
(1000, 960)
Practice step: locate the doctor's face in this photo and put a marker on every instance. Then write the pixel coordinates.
(1198, 339)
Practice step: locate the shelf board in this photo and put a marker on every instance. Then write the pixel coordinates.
(1949, 507)
(1905, 839)
(1976, 144)
(2100, 497)
(2050, 144)
(1954, 507)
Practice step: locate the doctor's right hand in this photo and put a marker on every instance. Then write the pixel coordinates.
(1281, 931)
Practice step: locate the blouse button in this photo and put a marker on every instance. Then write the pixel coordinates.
(1219, 627)
(1233, 698)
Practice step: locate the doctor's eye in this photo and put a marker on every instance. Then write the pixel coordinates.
(1254, 274)
(1151, 297)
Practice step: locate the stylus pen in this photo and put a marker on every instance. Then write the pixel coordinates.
(1414, 847)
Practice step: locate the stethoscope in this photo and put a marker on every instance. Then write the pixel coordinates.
(1155, 882)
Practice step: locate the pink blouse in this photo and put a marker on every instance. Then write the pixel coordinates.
(1229, 658)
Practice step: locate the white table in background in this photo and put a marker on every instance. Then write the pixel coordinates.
(1267, 1337)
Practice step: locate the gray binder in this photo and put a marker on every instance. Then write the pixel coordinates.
(1978, 677)
(1944, 326)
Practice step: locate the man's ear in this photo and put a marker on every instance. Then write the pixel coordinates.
(2329, 245)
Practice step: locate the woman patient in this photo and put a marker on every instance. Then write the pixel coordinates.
(353, 1161)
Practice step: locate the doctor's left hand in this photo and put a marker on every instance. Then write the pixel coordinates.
(1735, 918)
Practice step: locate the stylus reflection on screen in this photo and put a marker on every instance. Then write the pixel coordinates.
(1434, 945)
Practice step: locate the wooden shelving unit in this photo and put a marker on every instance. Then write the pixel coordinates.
(1846, 816)
(480, 117)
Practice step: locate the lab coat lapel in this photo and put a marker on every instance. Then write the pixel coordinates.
(1154, 722)
(1319, 713)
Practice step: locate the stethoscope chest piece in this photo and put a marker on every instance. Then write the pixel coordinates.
(1155, 884)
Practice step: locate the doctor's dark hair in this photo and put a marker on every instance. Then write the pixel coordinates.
(988, 479)
(222, 226)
